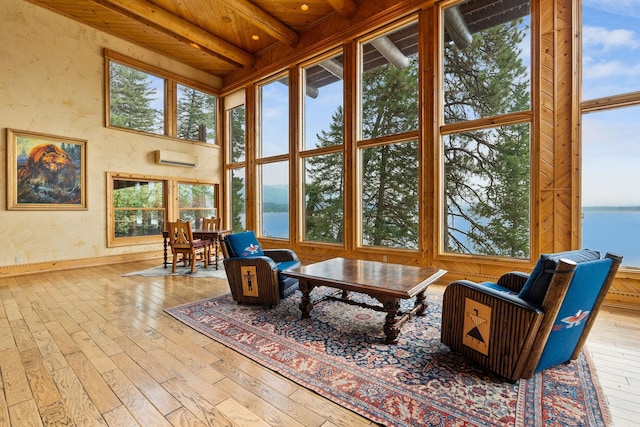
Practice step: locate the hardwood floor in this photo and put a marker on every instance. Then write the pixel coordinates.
(89, 347)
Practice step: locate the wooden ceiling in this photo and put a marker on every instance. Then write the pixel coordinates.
(225, 38)
(216, 36)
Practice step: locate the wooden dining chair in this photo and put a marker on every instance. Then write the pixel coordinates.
(212, 224)
(182, 242)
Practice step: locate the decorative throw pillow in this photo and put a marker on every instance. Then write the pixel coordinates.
(244, 244)
(536, 286)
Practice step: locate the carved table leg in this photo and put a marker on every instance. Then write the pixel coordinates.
(305, 302)
(392, 323)
(420, 307)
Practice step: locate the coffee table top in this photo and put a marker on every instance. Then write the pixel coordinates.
(403, 281)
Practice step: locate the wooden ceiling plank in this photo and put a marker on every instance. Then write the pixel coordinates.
(345, 8)
(174, 25)
(264, 21)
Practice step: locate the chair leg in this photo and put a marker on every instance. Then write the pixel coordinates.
(175, 260)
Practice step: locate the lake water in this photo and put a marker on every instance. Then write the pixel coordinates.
(606, 231)
(613, 231)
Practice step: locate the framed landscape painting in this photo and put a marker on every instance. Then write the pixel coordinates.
(45, 172)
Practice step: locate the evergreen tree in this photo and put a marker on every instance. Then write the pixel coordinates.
(237, 155)
(196, 110)
(487, 172)
(325, 187)
(130, 100)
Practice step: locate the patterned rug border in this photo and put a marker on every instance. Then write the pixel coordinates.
(528, 391)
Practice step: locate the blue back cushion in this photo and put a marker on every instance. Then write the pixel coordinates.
(574, 312)
(535, 288)
(244, 244)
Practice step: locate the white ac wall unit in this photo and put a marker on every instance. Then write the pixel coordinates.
(173, 158)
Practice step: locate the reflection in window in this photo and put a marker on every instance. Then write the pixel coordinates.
(196, 115)
(195, 202)
(390, 195)
(138, 208)
(136, 99)
(274, 118)
(389, 83)
(323, 191)
(487, 182)
(274, 195)
(487, 69)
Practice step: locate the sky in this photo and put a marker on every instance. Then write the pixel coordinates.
(611, 66)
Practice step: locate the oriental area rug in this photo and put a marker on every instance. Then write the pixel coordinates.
(340, 354)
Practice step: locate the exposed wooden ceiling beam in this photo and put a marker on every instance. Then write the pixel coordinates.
(185, 31)
(345, 8)
(264, 21)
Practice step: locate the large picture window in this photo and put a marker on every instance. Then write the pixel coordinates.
(272, 140)
(610, 129)
(486, 79)
(196, 202)
(322, 147)
(388, 147)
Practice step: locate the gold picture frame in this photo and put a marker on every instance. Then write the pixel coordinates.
(45, 172)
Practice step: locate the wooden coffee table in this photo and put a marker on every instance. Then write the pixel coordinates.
(388, 283)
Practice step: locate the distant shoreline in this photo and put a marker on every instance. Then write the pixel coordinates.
(611, 208)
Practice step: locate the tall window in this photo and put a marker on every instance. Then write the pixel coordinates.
(388, 145)
(139, 99)
(323, 150)
(486, 152)
(236, 171)
(610, 128)
(137, 209)
(273, 158)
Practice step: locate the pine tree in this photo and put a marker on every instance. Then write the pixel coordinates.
(195, 112)
(487, 172)
(130, 100)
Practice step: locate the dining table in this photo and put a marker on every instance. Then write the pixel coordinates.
(213, 236)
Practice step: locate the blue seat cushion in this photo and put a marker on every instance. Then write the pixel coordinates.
(576, 308)
(535, 288)
(244, 245)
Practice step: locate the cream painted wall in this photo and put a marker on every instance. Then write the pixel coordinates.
(51, 81)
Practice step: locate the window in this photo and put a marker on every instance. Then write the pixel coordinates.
(150, 100)
(323, 150)
(486, 150)
(610, 129)
(136, 99)
(195, 202)
(196, 115)
(388, 145)
(236, 188)
(137, 210)
(273, 165)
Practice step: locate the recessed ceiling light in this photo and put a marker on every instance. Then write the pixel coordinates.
(304, 7)
(255, 37)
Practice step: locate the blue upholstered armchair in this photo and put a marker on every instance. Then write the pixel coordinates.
(254, 274)
(525, 323)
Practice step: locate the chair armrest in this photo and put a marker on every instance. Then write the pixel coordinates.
(513, 280)
(263, 261)
(281, 255)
